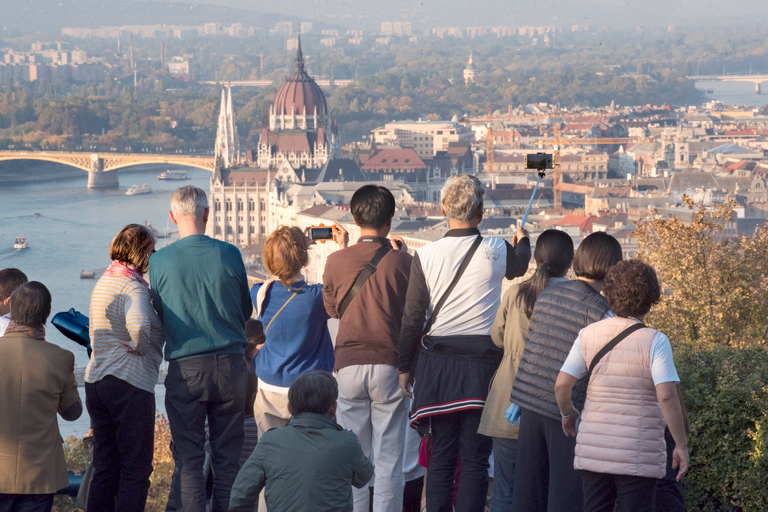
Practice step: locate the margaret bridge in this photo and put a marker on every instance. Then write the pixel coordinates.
(756, 79)
(102, 167)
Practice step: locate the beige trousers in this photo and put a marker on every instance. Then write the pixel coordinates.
(270, 410)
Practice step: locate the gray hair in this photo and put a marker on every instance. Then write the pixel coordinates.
(315, 391)
(189, 201)
(461, 196)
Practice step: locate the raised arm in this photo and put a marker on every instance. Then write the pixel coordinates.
(518, 255)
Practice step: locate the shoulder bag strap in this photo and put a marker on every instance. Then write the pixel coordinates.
(295, 292)
(362, 277)
(609, 346)
(459, 272)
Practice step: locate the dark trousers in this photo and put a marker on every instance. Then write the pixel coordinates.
(602, 491)
(670, 494)
(212, 388)
(544, 476)
(453, 435)
(123, 422)
(504, 455)
(26, 502)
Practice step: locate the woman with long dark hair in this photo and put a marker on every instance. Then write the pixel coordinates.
(553, 255)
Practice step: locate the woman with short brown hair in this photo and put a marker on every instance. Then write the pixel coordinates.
(120, 379)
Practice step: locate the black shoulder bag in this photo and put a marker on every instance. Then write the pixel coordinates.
(362, 277)
(611, 344)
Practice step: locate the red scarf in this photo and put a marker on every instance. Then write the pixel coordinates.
(37, 333)
(120, 268)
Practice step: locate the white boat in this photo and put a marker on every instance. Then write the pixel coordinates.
(138, 189)
(20, 242)
(174, 175)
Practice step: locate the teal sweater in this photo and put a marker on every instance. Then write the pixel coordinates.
(200, 290)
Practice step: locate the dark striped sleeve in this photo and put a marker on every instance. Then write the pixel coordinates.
(414, 316)
(518, 258)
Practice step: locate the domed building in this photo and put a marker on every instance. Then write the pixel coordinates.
(300, 133)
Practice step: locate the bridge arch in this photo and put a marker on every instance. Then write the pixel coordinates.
(84, 165)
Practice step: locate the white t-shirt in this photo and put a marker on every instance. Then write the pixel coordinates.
(662, 364)
(4, 321)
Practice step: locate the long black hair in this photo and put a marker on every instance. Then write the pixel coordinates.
(553, 255)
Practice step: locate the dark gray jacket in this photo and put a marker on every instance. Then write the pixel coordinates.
(310, 464)
(560, 312)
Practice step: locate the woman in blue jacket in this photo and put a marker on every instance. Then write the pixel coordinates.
(295, 324)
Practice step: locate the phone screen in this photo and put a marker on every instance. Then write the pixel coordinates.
(321, 233)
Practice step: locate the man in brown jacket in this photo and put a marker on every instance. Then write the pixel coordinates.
(370, 401)
(38, 380)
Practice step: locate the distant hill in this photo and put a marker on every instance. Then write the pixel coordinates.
(49, 16)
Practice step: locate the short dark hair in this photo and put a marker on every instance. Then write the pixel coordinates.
(595, 255)
(10, 279)
(31, 304)
(631, 288)
(314, 391)
(372, 206)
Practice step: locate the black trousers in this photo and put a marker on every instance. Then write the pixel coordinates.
(211, 388)
(545, 480)
(603, 491)
(453, 435)
(26, 502)
(123, 421)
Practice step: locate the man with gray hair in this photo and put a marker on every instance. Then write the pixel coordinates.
(200, 290)
(311, 463)
(453, 294)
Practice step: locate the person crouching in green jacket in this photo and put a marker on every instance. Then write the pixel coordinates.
(310, 464)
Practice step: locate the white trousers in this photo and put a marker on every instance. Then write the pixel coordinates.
(372, 406)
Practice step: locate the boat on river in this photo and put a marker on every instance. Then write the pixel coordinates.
(174, 175)
(20, 242)
(138, 189)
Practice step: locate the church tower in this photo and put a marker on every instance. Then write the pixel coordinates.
(227, 139)
(469, 71)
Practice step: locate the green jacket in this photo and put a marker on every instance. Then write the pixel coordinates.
(310, 464)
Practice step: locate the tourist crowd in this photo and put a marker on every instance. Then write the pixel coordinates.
(554, 397)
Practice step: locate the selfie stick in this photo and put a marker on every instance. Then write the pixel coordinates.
(530, 202)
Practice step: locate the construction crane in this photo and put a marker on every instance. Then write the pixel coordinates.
(489, 136)
(558, 142)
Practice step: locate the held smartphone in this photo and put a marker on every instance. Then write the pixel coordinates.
(320, 233)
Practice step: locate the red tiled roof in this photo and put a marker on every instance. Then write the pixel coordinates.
(317, 210)
(394, 159)
(243, 178)
(583, 222)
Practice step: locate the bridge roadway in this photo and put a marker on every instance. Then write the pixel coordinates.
(106, 162)
(756, 79)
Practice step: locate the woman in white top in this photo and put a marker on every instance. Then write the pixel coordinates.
(127, 340)
(632, 396)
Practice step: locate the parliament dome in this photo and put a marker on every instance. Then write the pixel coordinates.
(300, 92)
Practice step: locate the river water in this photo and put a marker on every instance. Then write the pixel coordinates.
(69, 229)
(735, 93)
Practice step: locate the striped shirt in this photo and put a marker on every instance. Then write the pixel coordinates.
(122, 317)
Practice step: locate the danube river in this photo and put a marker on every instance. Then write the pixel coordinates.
(69, 228)
(735, 93)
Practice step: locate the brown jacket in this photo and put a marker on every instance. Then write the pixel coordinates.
(370, 328)
(37, 380)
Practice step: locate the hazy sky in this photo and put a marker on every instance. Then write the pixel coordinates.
(50, 15)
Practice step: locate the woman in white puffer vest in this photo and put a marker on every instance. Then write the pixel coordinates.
(632, 395)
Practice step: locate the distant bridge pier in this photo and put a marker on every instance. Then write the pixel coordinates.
(98, 178)
(757, 87)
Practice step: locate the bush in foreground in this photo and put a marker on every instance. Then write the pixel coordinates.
(726, 393)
